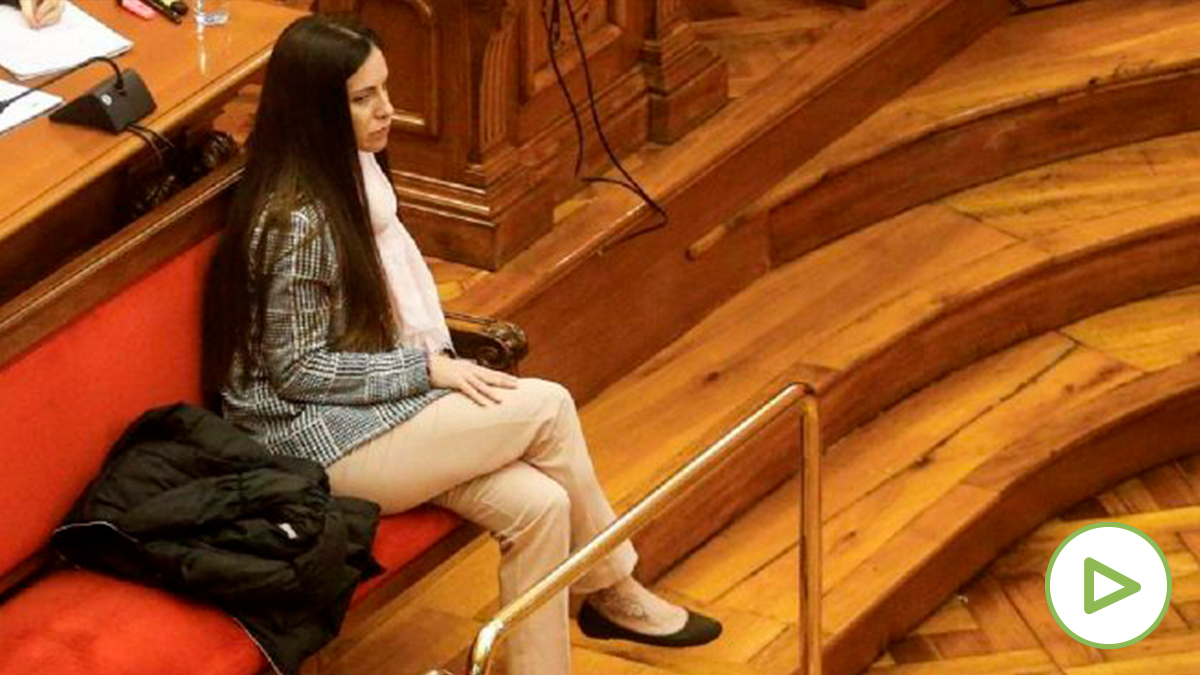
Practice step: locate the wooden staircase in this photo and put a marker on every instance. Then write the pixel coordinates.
(906, 494)
(971, 348)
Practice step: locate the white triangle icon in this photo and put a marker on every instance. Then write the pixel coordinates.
(1104, 586)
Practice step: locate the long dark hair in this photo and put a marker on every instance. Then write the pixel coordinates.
(301, 152)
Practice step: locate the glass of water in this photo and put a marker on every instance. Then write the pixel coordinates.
(211, 12)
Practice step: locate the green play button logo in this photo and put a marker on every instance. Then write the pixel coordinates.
(1081, 590)
(1092, 567)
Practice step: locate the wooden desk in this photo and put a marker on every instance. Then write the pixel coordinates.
(59, 184)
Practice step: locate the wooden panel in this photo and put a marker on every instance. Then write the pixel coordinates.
(687, 81)
(726, 360)
(414, 87)
(599, 25)
(967, 155)
(1017, 580)
(130, 254)
(579, 327)
(1005, 628)
(773, 590)
(612, 32)
(434, 133)
(764, 533)
(1028, 595)
(758, 38)
(1046, 296)
(1043, 385)
(893, 521)
(910, 439)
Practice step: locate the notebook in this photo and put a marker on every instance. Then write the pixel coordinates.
(37, 103)
(27, 52)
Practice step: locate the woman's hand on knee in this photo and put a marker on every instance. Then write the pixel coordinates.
(476, 382)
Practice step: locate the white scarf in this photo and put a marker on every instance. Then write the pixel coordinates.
(413, 293)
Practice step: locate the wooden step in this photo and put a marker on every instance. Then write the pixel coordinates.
(1043, 86)
(901, 488)
(917, 297)
(572, 291)
(1085, 447)
(1169, 326)
(756, 38)
(1163, 502)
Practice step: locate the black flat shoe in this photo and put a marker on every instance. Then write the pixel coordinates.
(698, 630)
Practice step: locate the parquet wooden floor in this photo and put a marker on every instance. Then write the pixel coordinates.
(1001, 620)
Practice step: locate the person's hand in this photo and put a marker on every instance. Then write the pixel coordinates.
(478, 383)
(42, 13)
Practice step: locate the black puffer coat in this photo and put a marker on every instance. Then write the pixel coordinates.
(188, 503)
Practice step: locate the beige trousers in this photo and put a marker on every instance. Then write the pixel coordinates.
(519, 468)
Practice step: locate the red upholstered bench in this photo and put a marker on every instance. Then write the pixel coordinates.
(66, 397)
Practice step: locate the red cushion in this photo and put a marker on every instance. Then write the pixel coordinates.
(402, 537)
(79, 623)
(64, 403)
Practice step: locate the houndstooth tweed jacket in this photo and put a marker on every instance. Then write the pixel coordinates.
(298, 396)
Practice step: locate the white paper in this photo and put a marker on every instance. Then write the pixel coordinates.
(29, 107)
(28, 52)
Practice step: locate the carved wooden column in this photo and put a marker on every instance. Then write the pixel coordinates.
(484, 206)
(688, 82)
(464, 194)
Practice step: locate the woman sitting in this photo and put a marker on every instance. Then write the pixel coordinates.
(327, 340)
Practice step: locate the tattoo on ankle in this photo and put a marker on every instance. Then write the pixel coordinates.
(613, 603)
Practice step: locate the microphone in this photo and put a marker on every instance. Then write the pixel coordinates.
(112, 105)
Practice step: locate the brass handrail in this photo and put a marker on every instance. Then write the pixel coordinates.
(810, 537)
(653, 504)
